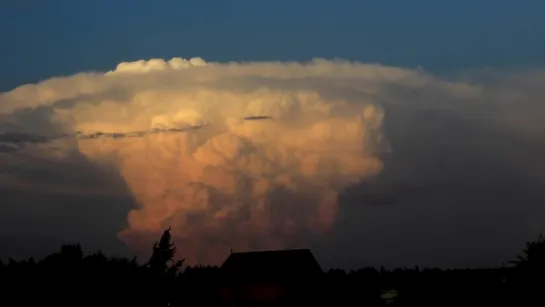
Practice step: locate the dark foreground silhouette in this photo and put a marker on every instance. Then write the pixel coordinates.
(288, 278)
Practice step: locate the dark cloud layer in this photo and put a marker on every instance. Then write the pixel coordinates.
(46, 201)
(455, 193)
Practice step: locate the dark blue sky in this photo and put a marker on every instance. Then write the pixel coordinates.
(59, 37)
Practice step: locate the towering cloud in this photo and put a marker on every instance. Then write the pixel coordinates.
(231, 156)
(248, 156)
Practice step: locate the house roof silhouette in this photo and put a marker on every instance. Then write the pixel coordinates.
(272, 264)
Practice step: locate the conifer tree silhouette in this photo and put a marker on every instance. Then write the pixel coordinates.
(162, 260)
(533, 255)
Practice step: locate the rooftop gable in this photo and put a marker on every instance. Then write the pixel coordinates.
(278, 263)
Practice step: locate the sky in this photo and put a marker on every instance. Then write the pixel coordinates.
(414, 139)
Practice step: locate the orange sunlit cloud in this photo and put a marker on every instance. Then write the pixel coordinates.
(219, 180)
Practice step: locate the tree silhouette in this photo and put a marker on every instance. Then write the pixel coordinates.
(72, 252)
(533, 255)
(162, 260)
(122, 281)
(530, 267)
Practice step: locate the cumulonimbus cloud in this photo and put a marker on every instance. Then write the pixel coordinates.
(239, 156)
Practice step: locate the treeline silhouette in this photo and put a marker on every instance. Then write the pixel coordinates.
(70, 278)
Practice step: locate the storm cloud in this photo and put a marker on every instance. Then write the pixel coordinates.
(248, 156)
